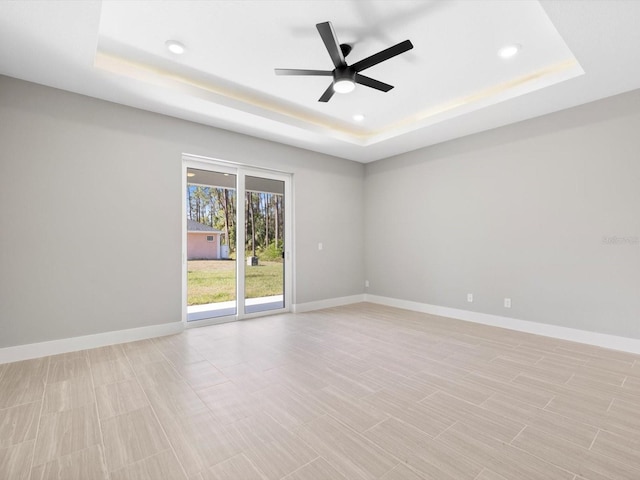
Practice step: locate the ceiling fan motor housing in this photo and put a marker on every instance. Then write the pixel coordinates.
(344, 74)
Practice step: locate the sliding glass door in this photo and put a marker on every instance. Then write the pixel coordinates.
(211, 261)
(264, 227)
(236, 241)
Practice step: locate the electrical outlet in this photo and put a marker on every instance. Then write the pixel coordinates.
(320, 246)
(507, 303)
(469, 297)
(366, 283)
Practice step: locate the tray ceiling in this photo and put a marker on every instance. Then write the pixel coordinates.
(453, 82)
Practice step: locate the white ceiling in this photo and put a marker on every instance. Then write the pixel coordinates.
(451, 84)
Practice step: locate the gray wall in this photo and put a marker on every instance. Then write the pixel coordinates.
(90, 213)
(546, 212)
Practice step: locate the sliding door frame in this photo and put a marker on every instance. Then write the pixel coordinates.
(240, 171)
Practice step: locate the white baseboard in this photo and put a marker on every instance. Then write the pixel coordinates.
(64, 345)
(604, 340)
(328, 303)
(54, 347)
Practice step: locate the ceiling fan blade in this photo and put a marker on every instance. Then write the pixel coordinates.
(382, 56)
(296, 71)
(331, 42)
(370, 82)
(328, 93)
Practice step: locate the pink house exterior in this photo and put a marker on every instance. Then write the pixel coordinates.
(203, 242)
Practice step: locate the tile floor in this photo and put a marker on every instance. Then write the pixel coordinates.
(357, 392)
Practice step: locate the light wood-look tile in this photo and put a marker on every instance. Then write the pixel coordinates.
(402, 472)
(632, 384)
(355, 392)
(493, 424)
(131, 437)
(522, 356)
(64, 367)
(585, 410)
(167, 391)
(23, 382)
(68, 394)
(63, 433)
(158, 374)
(396, 437)
(110, 353)
(84, 464)
(460, 388)
(19, 424)
(410, 412)
(568, 456)
(347, 361)
(259, 429)
(592, 374)
(235, 468)
(344, 381)
(588, 394)
(551, 374)
(382, 378)
(351, 454)
(70, 355)
(15, 461)
(351, 411)
(172, 400)
(501, 457)
(228, 403)
(416, 389)
(118, 398)
(319, 469)
(296, 379)
(141, 352)
(551, 357)
(606, 390)
(287, 407)
(435, 459)
(553, 423)
(163, 465)
(271, 448)
(179, 355)
(111, 371)
(487, 474)
(618, 447)
(201, 375)
(246, 376)
(201, 442)
(522, 392)
(621, 413)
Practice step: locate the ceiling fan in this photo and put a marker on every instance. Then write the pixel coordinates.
(346, 76)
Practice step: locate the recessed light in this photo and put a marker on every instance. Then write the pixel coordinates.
(343, 86)
(509, 51)
(358, 117)
(191, 174)
(175, 47)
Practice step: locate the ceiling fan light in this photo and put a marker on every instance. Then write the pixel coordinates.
(343, 86)
(509, 51)
(175, 47)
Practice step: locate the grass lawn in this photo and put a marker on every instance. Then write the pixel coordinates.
(212, 281)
